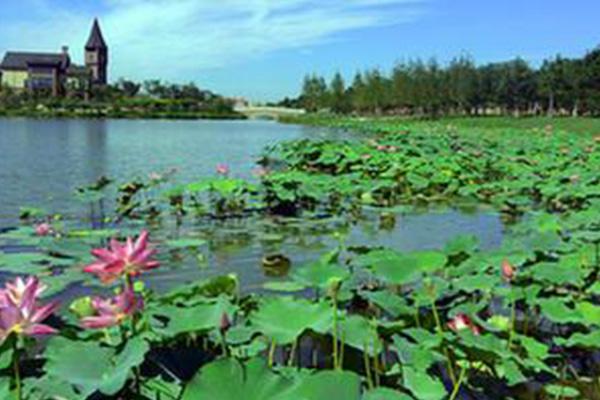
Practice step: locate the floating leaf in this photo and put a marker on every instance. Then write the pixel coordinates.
(274, 318)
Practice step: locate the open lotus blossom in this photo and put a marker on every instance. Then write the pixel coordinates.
(129, 259)
(20, 312)
(461, 322)
(508, 271)
(222, 169)
(43, 229)
(113, 311)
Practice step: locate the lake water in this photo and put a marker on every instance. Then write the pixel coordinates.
(43, 161)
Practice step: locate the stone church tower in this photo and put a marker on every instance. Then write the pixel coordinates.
(96, 56)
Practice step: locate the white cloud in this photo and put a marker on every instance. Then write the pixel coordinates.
(177, 39)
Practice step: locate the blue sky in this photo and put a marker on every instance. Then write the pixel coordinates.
(262, 48)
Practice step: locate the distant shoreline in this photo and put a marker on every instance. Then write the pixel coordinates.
(96, 114)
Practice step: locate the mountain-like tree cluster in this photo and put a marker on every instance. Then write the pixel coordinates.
(568, 86)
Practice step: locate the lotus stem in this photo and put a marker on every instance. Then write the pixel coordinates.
(513, 317)
(342, 352)
(461, 377)
(271, 353)
(367, 365)
(440, 330)
(17, 372)
(292, 352)
(377, 365)
(224, 345)
(335, 332)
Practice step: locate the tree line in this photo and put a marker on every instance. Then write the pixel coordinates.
(564, 86)
(147, 97)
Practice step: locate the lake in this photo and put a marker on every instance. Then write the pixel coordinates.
(43, 161)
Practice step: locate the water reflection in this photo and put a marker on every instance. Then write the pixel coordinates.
(95, 148)
(43, 161)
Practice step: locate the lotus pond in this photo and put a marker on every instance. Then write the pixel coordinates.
(404, 262)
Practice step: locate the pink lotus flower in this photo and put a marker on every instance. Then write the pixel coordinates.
(461, 322)
(508, 271)
(129, 259)
(223, 169)
(20, 312)
(43, 229)
(113, 311)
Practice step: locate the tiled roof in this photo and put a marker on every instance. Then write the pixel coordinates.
(20, 60)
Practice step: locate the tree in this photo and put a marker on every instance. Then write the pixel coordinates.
(590, 78)
(314, 93)
(337, 94)
(462, 87)
(461, 77)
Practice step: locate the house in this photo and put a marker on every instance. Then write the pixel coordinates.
(54, 72)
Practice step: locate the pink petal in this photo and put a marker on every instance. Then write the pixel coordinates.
(103, 254)
(39, 329)
(9, 316)
(142, 240)
(44, 312)
(99, 322)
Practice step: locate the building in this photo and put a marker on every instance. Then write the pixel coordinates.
(96, 56)
(54, 72)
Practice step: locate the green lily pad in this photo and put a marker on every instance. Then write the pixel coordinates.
(283, 319)
(227, 379)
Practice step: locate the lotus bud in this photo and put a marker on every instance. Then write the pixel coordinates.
(43, 229)
(461, 322)
(225, 323)
(334, 285)
(508, 271)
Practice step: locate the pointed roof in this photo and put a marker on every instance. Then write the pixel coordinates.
(96, 40)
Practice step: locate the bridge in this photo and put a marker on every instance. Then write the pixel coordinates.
(263, 112)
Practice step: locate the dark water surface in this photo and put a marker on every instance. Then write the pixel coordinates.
(43, 161)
